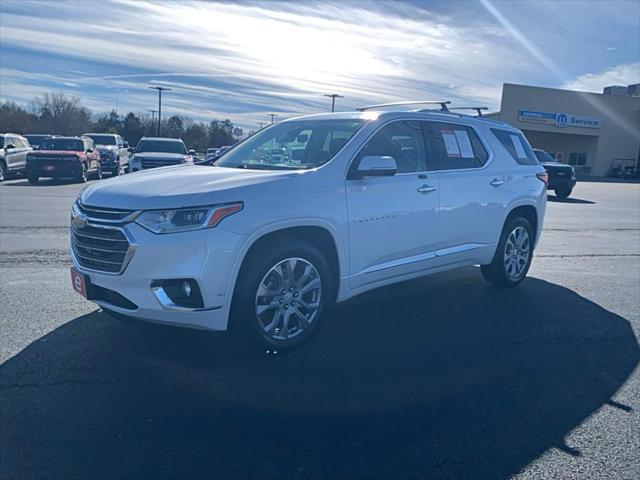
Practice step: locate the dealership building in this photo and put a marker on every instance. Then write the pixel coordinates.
(593, 131)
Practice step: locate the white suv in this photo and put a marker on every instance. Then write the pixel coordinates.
(264, 242)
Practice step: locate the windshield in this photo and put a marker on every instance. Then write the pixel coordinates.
(295, 145)
(69, 144)
(161, 146)
(103, 139)
(544, 157)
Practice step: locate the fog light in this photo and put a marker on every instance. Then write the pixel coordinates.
(178, 292)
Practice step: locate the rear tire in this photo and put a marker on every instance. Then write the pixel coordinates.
(99, 172)
(282, 294)
(562, 193)
(513, 255)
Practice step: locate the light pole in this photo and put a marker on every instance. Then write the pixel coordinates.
(153, 116)
(261, 124)
(333, 97)
(272, 115)
(160, 90)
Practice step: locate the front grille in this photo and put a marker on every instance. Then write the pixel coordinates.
(99, 248)
(106, 215)
(51, 158)
(152, 163)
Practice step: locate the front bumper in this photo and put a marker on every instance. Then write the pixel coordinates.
(561, 182)
(206, 256)
(66, 169)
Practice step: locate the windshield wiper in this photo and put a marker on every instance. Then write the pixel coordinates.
(258, 166)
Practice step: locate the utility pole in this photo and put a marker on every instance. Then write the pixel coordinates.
(261, 124)
(272, 115)
(333, 97)
(160, 90)
(153, 115)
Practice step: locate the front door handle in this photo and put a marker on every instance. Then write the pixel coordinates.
(496, 182)
(427, 189)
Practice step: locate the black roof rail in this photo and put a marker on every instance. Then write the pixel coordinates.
(477, 109)
(443, 105)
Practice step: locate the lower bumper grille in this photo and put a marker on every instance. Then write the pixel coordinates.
(98, 248)
(158, 163)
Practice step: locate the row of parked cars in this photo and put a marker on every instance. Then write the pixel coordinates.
(89, 155)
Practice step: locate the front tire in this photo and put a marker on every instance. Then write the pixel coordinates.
(513, 255)
(82, 176)
(562, 193)
(282, 294)
(3, 172)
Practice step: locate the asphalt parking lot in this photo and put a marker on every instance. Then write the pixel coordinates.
(442, 377)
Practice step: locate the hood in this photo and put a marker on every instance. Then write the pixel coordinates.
(160, 155)
(563, 166)
(176, 187)
(106, 148)
(54, 153)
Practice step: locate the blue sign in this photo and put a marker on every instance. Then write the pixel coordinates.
(560, 120)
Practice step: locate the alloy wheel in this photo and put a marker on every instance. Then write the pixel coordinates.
(288, 299)
(517, 252)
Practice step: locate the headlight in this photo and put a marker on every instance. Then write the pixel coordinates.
(184, 219)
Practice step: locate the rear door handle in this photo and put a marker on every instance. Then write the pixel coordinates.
(496, 182)
(427, 189)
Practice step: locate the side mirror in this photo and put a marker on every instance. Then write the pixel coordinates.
(191, 152)
(375, 166)
(89, 150)
(131, 149)
(125, 145)
(11, 146)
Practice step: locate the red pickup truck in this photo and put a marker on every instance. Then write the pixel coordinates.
(64, 157)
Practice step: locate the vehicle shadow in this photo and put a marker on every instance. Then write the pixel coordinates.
(49, 182)
(553, 198)
(443, 377)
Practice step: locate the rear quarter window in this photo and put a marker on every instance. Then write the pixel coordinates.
(456, 147)
(517, 146)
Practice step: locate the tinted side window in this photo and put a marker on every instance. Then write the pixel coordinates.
(401, 140)
(455, 146)
(517, 146)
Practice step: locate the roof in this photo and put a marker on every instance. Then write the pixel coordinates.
(162, 139)
(436, 115)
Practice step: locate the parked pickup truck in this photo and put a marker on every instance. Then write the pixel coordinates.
(64, 157)
(114, 152)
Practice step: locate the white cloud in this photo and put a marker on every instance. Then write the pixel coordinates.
(625, 74)
(240, 61)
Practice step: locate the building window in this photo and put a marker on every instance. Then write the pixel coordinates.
(578, 158)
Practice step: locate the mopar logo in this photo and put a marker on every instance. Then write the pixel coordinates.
(561, 120)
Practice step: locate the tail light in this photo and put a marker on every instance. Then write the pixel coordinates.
(543, 177)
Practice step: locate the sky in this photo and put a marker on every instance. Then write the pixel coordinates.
(243, 60)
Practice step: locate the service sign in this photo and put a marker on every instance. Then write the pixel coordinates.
(559, 119)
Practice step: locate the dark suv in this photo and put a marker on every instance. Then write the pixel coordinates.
(562, 178)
